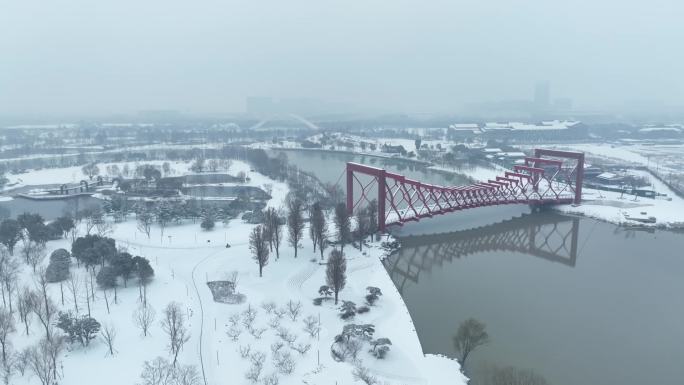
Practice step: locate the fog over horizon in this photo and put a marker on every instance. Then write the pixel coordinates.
(86, 57)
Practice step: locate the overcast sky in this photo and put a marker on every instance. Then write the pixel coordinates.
(110, 56)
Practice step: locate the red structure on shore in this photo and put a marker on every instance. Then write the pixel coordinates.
(550, 177)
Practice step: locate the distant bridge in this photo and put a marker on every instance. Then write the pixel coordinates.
(552, 237)
(549, 177)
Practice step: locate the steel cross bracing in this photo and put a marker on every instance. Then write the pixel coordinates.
(549, 177)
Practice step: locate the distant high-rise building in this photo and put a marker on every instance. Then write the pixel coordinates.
(542, 95)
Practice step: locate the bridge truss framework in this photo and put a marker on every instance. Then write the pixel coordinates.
(548, 177)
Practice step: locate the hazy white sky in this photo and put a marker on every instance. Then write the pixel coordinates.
(108, 56)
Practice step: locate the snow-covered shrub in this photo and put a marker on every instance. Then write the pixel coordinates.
(245, 351)
(279, 312)
(254, 372)
(285, 335)
(274, 323)
(276, 346)
(207, 223)
(82, 329)
(294, 309)
(350, 342)
(248, 317)
(311, 326)
(234, 333)
(271, 379)
(301, 348)
(284, 362)
(257, 332)
(362, 310)
(361, 373)
(234, 320)
(373, 295)
(380, 347)
(347, 310)
(268, 306)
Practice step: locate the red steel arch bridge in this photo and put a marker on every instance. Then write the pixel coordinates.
(548, 177)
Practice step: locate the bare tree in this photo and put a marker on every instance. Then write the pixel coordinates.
(73, 285)
(145, 218)
(156, 372)
(108, 334)
(312, 326)
(90, 170)
(161, 372)
(259, 247)
(43, 359)
(319, 227)
(295, 223)
(25, 302)
(40, 362)
(91, 217)
(21, 360)
(186, 375)
(9, 269)
(342, 223)
(336, 272)
(174, 326)
(6, 328)
(43, 307)
(471, 334)
(294, 309)
(143, 317)
(34, 253)
(103, 227)
(274, 230)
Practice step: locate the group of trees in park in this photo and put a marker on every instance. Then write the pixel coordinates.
(109, 266)
(32, 231)
(24, 303)
(146, 170)
(266, 237)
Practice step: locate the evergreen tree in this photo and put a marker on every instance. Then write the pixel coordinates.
(342, 223)
(336, 272)
(295, 223)
(319, 227)
(10, 234)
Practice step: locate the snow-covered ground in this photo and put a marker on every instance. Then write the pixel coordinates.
(617, 208)
(185, 257)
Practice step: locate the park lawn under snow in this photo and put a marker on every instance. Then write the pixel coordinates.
(185, 257)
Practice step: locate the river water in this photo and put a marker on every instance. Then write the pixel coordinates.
(574, 300)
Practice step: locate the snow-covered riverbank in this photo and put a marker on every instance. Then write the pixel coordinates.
(184, 258)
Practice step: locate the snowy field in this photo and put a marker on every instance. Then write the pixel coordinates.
(184, 259)
(660, 156)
